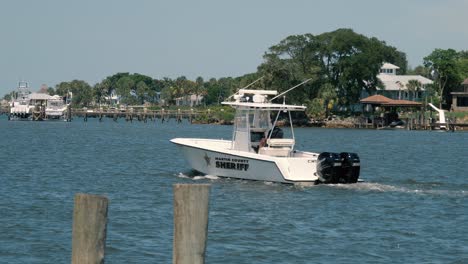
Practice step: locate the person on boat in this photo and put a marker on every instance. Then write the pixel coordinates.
(276, 132)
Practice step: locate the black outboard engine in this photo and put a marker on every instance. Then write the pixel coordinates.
(338, 168)
(329, 167)
(350, 167)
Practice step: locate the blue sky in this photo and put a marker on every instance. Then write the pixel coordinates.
(49, 41)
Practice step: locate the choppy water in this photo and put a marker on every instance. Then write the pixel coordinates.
(413, 207)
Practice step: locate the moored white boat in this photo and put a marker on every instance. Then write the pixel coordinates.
(56, 108)
(37, 106)
(259, 151)
(20, 107)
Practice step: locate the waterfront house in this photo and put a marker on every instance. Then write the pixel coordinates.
(383, 110)
(460, 98)
(113, 98)
(189, 100)
(401, 87)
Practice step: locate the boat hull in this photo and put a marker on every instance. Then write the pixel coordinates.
(214, 157)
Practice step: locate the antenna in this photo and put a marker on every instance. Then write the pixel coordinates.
(250, 84)
(287, 91)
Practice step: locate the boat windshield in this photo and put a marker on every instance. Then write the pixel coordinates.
(240, 137)
(259, 119)
(55, 103)
(241, 119)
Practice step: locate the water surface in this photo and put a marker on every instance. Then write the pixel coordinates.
(412, 207)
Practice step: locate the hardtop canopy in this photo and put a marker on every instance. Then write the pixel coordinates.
(266, 106)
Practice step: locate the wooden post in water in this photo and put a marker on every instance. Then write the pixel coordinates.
(89, 228)
(69, 113)
(191, 202)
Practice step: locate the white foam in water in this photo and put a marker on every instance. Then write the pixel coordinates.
(211, 177)
(205, 177)
(366, 186)
(181, 175)
(199, 177)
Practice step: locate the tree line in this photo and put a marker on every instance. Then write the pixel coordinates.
(341, 65)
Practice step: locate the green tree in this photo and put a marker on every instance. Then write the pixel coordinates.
(414, 86)
(167, 85)
(125, 87)
(443, 64)
(289, 63)
(213, 91)
(82, 92)
(7, 97)
(102, 91)
(142, 91)
(347, 61)
(463, 64)
(199, 88)
(420, 70)
(50, 91)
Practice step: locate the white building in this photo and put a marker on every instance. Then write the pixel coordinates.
(189, 100)
(396, 86)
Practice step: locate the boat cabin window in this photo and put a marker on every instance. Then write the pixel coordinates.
(264, 119)
(259, 119)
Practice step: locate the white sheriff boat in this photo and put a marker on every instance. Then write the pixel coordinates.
(258, 150)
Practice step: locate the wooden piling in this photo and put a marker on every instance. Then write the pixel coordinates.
(191, 202)
(89, 228)
(69, 113)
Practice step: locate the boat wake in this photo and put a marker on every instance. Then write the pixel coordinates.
(195, 177)
(206, 177)
(377, 187)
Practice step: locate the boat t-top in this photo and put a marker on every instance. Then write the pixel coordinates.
(260, 151)
(20, 107)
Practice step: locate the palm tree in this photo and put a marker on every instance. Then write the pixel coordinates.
(414, 86)
(198, 88)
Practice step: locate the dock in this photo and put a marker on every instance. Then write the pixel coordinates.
(142, 116)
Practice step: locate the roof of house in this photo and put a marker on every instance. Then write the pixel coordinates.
(385, 101)
(375, 99)
(40, 96)
(399, 82)
(387, 65)
(402, 103)
(465, 82)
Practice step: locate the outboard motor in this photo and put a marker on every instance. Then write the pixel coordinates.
(329, 167)
(350, 167)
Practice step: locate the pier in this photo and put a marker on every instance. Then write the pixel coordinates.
(142, 115)
(411, 124)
